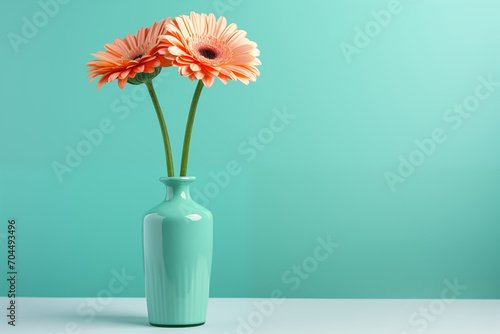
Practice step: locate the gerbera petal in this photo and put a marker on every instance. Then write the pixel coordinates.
(195, 67)
(141, 35)
(211, 24)
(174, 41)
(174, 50)
(122, 82)
(243, 48)
(131, 42)
(199, 74)
(242, 59)
(239, 70)
(203, 24)
(229, 31)
(155, 63)
(255, 62)
(208, 80)
(139, 69)
(185, 59)
(223, 78)
(210, 69)
(102, 80)
(221, 25)
(110, 56)
(124, 74)
(226, 72)
(164, 62)
(184, 26)
(185, 70)
(197, 23)
(236, 37)
(113, 76)
(121, 43)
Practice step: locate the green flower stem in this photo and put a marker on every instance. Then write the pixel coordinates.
(189, 127)
(164, 133)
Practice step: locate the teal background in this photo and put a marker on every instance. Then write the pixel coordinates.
(322, 175)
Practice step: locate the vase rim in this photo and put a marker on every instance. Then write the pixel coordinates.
(177, 178)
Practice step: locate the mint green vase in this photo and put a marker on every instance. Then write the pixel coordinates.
(178, 243)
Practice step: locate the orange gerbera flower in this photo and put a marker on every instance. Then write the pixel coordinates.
(204, 48)
(127, 57)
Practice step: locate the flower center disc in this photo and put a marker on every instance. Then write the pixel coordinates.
(208, 53)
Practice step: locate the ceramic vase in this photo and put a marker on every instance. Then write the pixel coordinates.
(178, 243)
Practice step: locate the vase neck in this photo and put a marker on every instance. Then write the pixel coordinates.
(177, 187)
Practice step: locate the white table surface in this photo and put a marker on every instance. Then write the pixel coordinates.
(350, 316)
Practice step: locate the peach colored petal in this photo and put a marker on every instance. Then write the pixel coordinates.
(141, 36)
(199, 74)
(124, 74)
(165, 62)
(131, 42)
(242, 59)
(211, 25)
(139, 69)
(185, 71)
(243, 48)
(229, 31)
(221, 25)
(236, 38)
(223, 78)
(208, 80)
(121, 83)
(174, 50)
(113, 76)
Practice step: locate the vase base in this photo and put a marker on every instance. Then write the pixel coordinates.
(173, 326)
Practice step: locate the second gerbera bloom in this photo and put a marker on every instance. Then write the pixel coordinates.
(204, 48)
(124, 58)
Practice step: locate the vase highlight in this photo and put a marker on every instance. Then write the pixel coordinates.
(178, 245)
